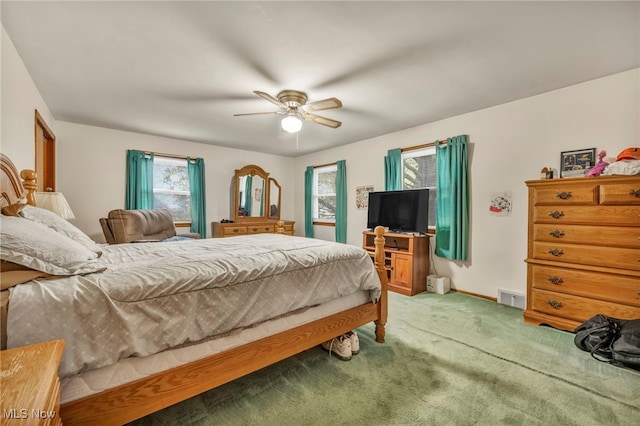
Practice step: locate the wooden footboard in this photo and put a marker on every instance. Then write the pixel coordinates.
(145, 396)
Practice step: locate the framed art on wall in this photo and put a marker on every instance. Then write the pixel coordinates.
(500, 203)
(362, 196)
(577, 163)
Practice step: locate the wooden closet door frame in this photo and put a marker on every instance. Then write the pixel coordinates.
(45, 142)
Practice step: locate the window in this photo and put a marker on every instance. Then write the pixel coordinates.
(171, 187)
(420, 170)
(324, 194)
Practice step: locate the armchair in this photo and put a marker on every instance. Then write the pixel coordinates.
(126, 226)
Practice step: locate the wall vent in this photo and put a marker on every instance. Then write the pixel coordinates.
(512, 298)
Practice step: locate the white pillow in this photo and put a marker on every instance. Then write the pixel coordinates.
(58, 224)
(39, 247)
(623, 167)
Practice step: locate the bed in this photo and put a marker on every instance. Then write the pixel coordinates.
(114, 379)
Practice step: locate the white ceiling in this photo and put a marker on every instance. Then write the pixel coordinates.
(182, 69)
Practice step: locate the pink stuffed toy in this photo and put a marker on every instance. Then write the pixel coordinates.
(603, 162)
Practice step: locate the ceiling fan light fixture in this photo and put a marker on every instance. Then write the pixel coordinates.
(291, 124)
(292, 104)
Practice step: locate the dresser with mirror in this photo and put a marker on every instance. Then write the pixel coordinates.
(255, 205)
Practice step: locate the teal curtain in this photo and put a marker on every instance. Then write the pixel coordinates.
(139, 191)
(341, 202)
(248, 185)
(308, 202)
(198, 198)
(262, 200)
(452, 209)
(393, 170)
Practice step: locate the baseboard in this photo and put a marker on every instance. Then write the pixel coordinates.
(482, 296)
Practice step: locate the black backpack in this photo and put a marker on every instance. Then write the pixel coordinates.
(610, 340)
(626, 348)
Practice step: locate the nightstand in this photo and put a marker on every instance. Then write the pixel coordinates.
(30, 385)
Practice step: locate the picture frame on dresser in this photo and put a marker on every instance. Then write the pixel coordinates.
(577, 163)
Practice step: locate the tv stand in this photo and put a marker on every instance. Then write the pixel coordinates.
(406, 259)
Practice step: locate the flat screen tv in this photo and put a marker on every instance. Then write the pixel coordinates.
(400, 211)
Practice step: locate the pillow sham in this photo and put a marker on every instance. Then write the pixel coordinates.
(39, 247)
(13, 209)
(58, 224)
(10, 279)
(12, 274)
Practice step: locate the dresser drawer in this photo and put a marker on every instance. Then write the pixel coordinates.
(260, 229)
(578, 308)
(617, 236)
(588, 215)
(230, 231)
(613, 257)
(620, 193)
(583, 193)
(613, 288)
(288, 229)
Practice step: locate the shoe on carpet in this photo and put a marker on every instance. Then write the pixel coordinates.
(339, 346)
(355, 342)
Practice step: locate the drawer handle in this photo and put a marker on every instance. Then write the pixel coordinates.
(555, 252)
(556, 233)
(635, 193)
(554, 304)
(235, 230)
(563, 195)
(556, 214)
(255, 229)
(555, 280)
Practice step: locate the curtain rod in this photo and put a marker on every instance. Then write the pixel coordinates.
(179, 157)
(325, 165)
(424, 145)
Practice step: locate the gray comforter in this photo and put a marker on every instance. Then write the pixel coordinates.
(155, 296)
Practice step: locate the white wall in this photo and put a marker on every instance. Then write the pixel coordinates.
(510, 143)
(19, 100)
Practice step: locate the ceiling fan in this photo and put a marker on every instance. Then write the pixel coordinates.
(293, 105)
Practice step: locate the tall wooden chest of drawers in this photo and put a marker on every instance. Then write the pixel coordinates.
(583, 255)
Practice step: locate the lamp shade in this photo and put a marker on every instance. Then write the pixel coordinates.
(291, 124)
(55, 202)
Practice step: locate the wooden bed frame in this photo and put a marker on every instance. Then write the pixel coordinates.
(139, 398)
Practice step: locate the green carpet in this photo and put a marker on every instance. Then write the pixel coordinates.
(448, 359)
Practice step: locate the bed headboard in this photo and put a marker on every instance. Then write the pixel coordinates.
(12, 189)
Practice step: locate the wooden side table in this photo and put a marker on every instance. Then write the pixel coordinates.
(29, 384)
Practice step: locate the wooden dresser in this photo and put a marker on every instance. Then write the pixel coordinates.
(30, 392)
(583, 254)
(223, 230)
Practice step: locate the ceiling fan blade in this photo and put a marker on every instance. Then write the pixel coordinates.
(259, 113)
(329, 122)
(329, 103)
(269, 98)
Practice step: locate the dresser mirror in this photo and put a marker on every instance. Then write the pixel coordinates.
(274, 199)
(256, 195)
